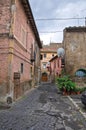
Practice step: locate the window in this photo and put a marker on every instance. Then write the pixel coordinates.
(63, 61)
(52, 55)
(33, 55)
(23, 36)
(44, 55)
(21, 67)
(44, 65)
(41, 57)
(31, 72)
(81, 73)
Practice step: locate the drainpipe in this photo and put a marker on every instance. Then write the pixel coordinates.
(10, 54)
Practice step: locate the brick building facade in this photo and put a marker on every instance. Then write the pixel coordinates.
(48, 52)
(19, 49)
(56, 67)
(75, 49)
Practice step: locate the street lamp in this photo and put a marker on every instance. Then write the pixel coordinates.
(60, 52)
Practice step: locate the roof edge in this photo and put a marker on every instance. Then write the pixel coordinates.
(30, 17)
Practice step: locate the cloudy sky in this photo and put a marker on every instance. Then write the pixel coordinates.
(46, 11)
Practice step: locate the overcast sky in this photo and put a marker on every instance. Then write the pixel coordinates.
(47, 9)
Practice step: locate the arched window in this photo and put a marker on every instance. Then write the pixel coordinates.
(81, 73)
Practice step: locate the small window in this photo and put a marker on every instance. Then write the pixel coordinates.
(63, 61)
(44, 65)
(41, 57)
(23, 34)
(44, 55)
(31, 72)
(22, 68)
(81, 73)
(52, 55)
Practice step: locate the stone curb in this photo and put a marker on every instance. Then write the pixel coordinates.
(77, 107)
(4, 106)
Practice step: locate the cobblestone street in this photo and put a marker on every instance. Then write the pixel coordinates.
(44, 108)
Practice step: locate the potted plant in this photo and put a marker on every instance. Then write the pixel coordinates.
(66, 85)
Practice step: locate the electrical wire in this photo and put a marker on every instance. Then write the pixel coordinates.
(50, 31)
(50, 19)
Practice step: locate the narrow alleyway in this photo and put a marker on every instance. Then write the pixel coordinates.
(44, 108)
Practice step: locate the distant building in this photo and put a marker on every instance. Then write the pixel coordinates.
(56, 67)
(48, 52)
(19, 49)
(75, 50)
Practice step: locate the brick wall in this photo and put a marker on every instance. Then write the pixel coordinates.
(16, 50)
(3, 65)
(22, 50)
(24, 38)
(5, 16)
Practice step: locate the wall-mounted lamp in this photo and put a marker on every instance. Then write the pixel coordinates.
(60, 52)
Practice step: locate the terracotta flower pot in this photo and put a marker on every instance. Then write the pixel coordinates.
(78, 92)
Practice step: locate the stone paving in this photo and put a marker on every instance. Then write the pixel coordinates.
(77, 100)
(44, 108)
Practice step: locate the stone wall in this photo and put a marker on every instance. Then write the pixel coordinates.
(75, 49)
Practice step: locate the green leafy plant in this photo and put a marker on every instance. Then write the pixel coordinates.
(80, 89)
(66, 83)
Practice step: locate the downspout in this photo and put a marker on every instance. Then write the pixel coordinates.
(10, 54)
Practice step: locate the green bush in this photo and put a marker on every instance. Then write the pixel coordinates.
(66, 83)
(80, 89)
